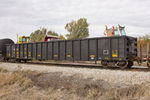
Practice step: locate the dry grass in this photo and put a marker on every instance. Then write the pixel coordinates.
(29, 85)
(3, 70)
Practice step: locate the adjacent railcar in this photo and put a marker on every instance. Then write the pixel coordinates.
(3, 43)
(111, 51)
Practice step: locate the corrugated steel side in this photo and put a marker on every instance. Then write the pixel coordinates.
(92, 49)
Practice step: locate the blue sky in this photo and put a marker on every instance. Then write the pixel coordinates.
(24, 16)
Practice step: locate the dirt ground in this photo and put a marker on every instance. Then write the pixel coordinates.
(57, 83)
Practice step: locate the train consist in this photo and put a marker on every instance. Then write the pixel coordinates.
(118, 51)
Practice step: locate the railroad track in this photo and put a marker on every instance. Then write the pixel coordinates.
(82, 65)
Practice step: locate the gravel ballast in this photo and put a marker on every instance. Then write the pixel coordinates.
(108, 75)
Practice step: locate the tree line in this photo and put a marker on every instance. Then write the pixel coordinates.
(77, 30)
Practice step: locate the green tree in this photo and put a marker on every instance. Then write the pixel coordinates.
(77, 29)
(61, 37)
(38, 35)
(52, 33)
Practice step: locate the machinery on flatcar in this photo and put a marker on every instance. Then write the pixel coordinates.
(115, 31)
(23, 39)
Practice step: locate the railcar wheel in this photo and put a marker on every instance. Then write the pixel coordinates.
(18, 60)
(139, 62)
(123, 64)
(2, 59)
(130, 64)
(6, 59)
(104, 64)
(111, 64)
(25, 61)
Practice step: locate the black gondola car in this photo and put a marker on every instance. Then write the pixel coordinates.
(3, 43)
(111, 51)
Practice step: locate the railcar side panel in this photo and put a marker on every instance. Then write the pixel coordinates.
(21, 51)
(55, 51)
(114, 49)
(69, 47)
(29, 51)
(13, 51)
(17, 51)
(8, 51)
(25, 50)
(62, 50)
(84, 50)
(34, 51)
(93, 49)
(77, 50)
(44, 51)
(104, 49)
(121, 48)
(39, 51)
(50, 50)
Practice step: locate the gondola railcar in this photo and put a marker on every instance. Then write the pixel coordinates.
(111, 51)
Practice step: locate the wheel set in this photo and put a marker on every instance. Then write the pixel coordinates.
(120, 64)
